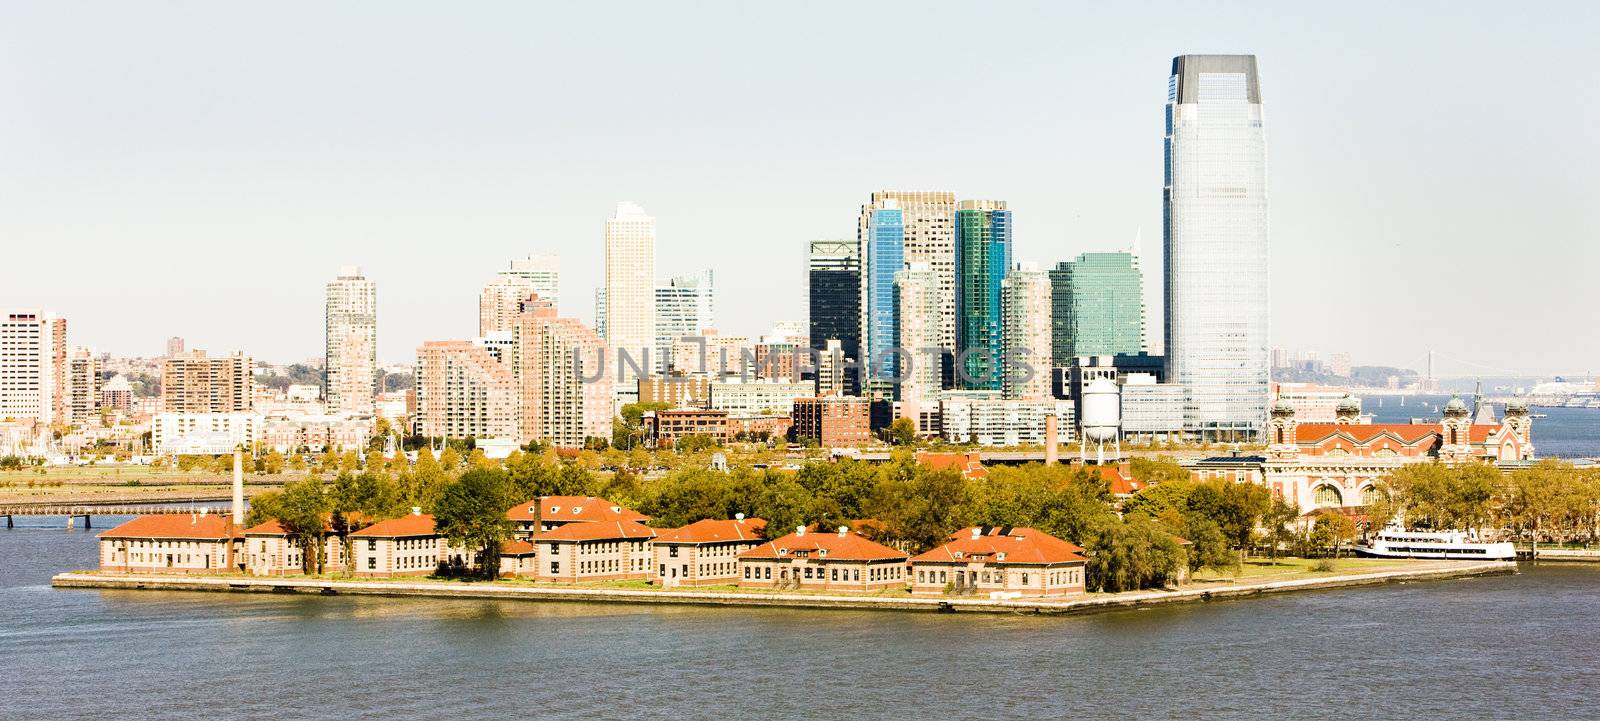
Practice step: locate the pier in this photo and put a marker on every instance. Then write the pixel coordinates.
(88, 511)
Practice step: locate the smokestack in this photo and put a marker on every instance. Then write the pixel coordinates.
(1052, 455)
(238, 487)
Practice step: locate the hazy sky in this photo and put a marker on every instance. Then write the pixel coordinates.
(201, 169)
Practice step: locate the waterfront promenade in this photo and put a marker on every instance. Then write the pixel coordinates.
(1199, 591)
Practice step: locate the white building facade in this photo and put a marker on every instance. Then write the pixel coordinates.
(351, 354)
(33, 366)
(203, 434)
(1025, 333)
(685, 306)
(1006, 422)
(1215, 203)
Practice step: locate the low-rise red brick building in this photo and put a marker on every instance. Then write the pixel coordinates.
(517, 558)
(663, 429)
(172, 543)
(833, 421)
(816, 561)
(404, 546)
(598, 551)
(550, 512)
(270, 550)
(705, 552)
(988, 559)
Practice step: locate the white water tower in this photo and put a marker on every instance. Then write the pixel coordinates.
(1101, 419)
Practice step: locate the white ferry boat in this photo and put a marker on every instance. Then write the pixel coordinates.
(1446, 544)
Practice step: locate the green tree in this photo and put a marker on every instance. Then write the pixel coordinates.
(303, 511)
(471, 513)
(273, 463)
(920, 507)
(690, 495)
(696, 443)
(783, 503)
(901, 432)
(1157, 470)
(1277, 528)
(1331, 530)
(264, 507)
(1236, 508)
(449, 459)
(1133, 554)
(1209, 548)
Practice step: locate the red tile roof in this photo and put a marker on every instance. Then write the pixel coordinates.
(567, 509)
(1121, 484)
(402, 527)
(846, 547)
(515, 548)
(274, 527)
(597, 531)
(1406, 433)
(967, 463)
(1020, 545)
(714, 531)
(1479, 433)
(175, 525)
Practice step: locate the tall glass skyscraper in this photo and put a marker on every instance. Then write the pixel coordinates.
(883, 255)
(983, 254)
(1097, 307)
(834, 286)
(685, 306)
(1215, 237)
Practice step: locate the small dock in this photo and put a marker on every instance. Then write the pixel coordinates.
(1557, 553)
(88, 511)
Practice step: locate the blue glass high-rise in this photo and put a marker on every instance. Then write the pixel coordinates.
(883, 255)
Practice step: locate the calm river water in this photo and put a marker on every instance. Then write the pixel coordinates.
(1509, 647)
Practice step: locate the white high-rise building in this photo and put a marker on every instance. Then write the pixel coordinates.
(630, 293)
(83, 385)
(543, 271)
(1216, 245)
(33, 366)
(685, 306)
(918, 306)
(502, 296)
(351, 356)
(1025, 333)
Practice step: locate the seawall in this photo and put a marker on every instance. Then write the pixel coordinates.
(1075, 604)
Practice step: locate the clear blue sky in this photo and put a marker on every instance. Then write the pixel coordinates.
(201, 169)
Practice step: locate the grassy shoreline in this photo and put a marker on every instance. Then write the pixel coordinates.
(1290, 579)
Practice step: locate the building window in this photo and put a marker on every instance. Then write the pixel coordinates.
(555, 567)
(372, 563)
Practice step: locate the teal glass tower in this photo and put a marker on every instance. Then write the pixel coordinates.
(1097, 307)
(983, 253)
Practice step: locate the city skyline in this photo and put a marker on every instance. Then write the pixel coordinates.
(1373, 195)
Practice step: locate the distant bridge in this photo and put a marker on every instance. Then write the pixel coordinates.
(87, 511)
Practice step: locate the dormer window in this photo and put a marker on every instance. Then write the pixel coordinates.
(822, 553)
(783, 551)
(576, 510)
(1001, 556)
(555, 510)
(958, 555)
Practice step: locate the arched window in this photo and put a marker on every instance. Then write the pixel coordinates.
(1327, 496)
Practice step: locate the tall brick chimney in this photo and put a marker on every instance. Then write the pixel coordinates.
(1052, 455)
